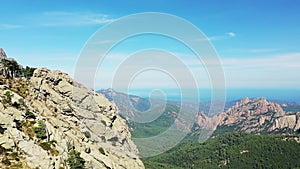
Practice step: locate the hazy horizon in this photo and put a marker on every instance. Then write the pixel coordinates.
(232, 94)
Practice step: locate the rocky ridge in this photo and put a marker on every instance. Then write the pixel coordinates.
(44, 118)
(254, 116)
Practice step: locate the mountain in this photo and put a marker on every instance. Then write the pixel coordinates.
(128, 104)
(253, 116)
(131, 107)
(288, 106)
(49, 120)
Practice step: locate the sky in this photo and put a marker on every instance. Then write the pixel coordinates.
(257, 41)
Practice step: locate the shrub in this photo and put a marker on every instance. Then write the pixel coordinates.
(101, 150)
(48, 146)
(6, 99)
(29, 115)
(21, 102)
(40, 130)
(75, 161)
(87, 134)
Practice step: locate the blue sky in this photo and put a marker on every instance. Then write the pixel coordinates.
(257, 41)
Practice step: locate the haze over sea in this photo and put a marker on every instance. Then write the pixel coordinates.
(288, 95)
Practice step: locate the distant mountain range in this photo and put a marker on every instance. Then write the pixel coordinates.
(248, 133)
(250, 115)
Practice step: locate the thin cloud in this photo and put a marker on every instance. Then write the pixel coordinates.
(275, 70)
(60, 18)
(261, 50)
(282, 61)
(270, 71)
(255, 50)
(10, 26)
(103, 42)
(227, 35)
(231, 34)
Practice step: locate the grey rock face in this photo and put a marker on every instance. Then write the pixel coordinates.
(74, 118)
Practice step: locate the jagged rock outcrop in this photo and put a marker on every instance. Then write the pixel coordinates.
(253, 115)
(289, 121)
(59, 115)
(2, 53)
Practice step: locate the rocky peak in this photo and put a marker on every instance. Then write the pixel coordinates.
(108, 93)
(58, 117)
(2, 54)
(253, 115)
(255, 106)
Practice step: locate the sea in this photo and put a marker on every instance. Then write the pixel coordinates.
(229, 94)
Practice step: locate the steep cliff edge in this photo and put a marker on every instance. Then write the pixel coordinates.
(47, 119)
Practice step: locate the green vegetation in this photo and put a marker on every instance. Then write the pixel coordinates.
(16, 70)
(28, 71)
(224, 129)
(231, 150)
(75, 161)
(101, 150)
(161, 124)
(21, 102)
(11, 159)
(142, 104)
(12, 66)
(40, 130)
(7, 98)
(29, 115)
(87, 134)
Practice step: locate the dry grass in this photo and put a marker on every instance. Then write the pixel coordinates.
(27, 128)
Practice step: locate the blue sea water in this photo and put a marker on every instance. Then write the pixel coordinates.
(288, 95)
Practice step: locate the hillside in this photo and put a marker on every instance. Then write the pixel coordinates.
(231, 150)
(156, 127)
(48, 120)
(131, 106)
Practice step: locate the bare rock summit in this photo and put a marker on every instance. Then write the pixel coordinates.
(50, 121)
(2, 53)
(254, 116)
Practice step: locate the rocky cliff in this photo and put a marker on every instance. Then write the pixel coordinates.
(51, 121)
(2, 53)
(254, 116)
